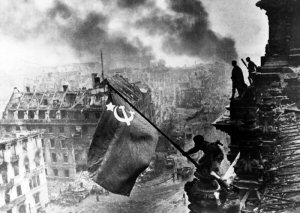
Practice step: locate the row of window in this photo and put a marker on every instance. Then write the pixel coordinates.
(53, 114)
(55, 172)
(16, 168)
(73, 129)
(63, 143)
(29, 128)
(22, 208)
(61, 129)
(33, 183)
(82, 130)
(54, 157)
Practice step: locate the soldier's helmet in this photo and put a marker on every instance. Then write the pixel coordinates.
(200, 143)
(198, 138)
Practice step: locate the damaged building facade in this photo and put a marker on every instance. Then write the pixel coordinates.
(23, 184)
(69, 118)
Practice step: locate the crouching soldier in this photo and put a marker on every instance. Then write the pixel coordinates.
(208, 184)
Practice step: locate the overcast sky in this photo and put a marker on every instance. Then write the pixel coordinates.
(243, 21)
(29, 38)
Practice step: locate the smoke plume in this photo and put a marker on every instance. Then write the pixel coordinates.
(129, 32)
(187, 31)
(130, 3)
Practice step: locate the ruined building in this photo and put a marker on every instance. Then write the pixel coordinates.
(23, 184)
(69, 118)
(264, 126)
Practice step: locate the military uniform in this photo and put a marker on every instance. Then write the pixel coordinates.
(238, 82)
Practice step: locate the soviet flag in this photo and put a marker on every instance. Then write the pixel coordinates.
(122, 147)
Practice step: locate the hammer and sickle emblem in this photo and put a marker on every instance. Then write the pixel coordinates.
(125, 118)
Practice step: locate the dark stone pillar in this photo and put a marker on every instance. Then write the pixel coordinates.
(283, 47)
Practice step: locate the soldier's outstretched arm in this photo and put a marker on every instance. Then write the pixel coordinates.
(212, 173)
(193, 150)
(255, 66)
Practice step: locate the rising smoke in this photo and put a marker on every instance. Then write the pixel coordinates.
(90, 34)
(131, 3)
(121, 28)
(187, 31)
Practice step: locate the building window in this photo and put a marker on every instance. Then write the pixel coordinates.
(24, 145)
(66, 158)
(86, 116)
(16, 168)
(37, 158)
(9, 211)
(18, 128)
(77, 157)
(97, 115)
(52, 114)
(61, 129)
(24, 128)
(27, 168)
(31, 114)
(63, 144)
(50, 129)
(45, 102)
(84, 130)
(73, 129)
(20, 114)
(67, 173)
(38, 180)
(76, 116)
(22, 209)
(7, 128)
(52, 143)
(42, 114)
(34, 182)
(4, 177)
(78, 130)
(53, 156)
(7, 197)
(43, 142)
(55, 171)
(63, 114)
(19, 190)
(36, 197)
(30, 184)
(26, 164)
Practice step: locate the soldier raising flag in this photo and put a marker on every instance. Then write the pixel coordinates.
(252, 68)
(125, 141)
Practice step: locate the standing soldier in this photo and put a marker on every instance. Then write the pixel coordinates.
(252, 68)
(238, 82)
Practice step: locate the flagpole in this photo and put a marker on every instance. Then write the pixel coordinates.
(152, 124)
(102, 74)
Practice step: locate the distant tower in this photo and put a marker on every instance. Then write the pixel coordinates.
(283, 48)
